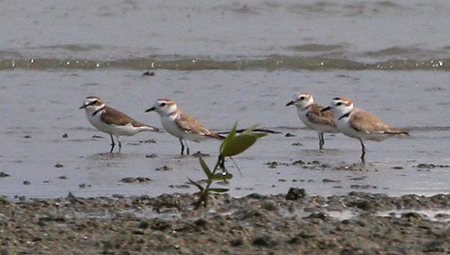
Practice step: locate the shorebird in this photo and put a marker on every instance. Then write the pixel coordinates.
(312, 116)
(112, 121)
(360, 124)
(180, 124)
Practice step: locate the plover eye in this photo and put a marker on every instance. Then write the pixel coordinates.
(302, 98)
(339, 103)
(162, 104)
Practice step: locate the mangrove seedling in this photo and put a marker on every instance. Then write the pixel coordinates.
(234, 144)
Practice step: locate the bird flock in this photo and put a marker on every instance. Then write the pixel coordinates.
(341, 116)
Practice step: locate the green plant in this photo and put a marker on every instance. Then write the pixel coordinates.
(232, 145)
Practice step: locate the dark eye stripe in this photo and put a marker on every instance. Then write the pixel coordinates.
(92, 103)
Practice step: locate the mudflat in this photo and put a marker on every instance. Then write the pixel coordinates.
(357, 223)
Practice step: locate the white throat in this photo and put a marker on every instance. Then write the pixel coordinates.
(93, 110)
(342, 112)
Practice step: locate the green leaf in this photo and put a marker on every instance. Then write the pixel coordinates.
(237, 145)
(222, 176)
(196, 184)
(230, 136)
(249, 130)
(205, 168)
(259, 135)
(218, 190)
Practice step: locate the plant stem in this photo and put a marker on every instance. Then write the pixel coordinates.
(204, 194)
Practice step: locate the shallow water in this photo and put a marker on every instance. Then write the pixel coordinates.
(222, 63)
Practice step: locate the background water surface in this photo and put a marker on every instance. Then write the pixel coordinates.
(222, 62)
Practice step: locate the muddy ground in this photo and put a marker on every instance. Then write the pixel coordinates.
(291, 223)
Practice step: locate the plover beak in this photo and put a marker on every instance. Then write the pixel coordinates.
(150, 109)
(326, 109)
(290, 103)
(83, 107)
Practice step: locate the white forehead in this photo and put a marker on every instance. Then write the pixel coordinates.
(302, 96)
(165, 103)
(161, 102)
(90, 100)
(341, 102)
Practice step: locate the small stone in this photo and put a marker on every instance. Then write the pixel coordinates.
(269, 206)
(3, 174)
(59, 165)
(127, 179)
(295, 193)
(5, 251)
(20, 198)
(272, 164)
(265, 241)
(163, 168)
(65, 135)
(148, 73)
(442, 216)
(364, 205)
(298, 162)
(255, 196)
(329, 180)
(144, 225)
(411, 215)
(148, 141)
(319, 215)
(137, 179)
(201, 222)
(357, 186)
(73, 199)
(143, 179)
(237, 242)
(26, 182)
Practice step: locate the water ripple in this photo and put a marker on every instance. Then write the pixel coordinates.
(199, 63)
